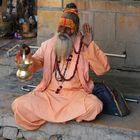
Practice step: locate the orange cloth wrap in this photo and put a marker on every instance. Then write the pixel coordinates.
(67, 23)
(70, 10)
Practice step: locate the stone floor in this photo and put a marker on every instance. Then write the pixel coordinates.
(128, 84)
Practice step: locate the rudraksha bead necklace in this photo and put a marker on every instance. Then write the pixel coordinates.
(62, 76)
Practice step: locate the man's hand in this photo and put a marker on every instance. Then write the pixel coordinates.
(87, 34)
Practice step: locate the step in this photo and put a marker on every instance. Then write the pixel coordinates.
(105, 127)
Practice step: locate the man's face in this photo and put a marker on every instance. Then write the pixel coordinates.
(64, 45)
(64, 32)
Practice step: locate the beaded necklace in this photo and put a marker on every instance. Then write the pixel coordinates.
(62, 76)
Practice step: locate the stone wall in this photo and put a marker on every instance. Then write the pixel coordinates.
(116, 25)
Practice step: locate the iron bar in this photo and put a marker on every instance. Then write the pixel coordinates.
(131, 100)
(116, 55)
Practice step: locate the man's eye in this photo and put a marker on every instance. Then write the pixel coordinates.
(68, 30)
(60, 27)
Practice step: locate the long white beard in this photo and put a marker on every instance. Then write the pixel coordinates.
(64, 46)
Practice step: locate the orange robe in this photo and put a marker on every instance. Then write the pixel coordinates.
(74, 101)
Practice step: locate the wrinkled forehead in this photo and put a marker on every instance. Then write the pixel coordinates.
(66, 22)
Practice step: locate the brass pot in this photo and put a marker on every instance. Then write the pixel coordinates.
(22, 72)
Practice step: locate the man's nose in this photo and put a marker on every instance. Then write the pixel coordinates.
(63, 30)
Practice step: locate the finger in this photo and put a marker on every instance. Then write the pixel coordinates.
(84, 28)
(88, 28)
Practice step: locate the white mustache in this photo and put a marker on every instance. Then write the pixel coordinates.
(63, 36)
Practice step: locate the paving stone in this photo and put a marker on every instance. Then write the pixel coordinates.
(35, 135)
(9, 121)
(19, 135)
(1, 138)
(56, 137)
(136, 138)
(121, 137)
(66, 137)
(1, 120)
(1, 131)
(10, 133)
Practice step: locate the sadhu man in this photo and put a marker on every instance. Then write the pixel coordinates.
(65, 92)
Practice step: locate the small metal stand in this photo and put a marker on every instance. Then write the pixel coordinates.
(131, 99)
(116, 55)
(28, 88)
(13, 49)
